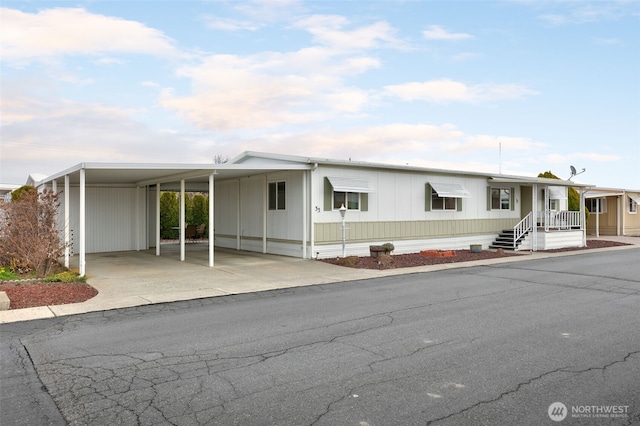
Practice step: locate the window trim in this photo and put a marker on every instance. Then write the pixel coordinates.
(346, 198)
(276, 184)
(602, 205)
(510, 200)
(329, 198)
(632, 206)
(436, 197)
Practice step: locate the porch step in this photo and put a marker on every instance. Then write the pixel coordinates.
(505, 240)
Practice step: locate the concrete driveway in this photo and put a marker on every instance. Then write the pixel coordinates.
(136, 278)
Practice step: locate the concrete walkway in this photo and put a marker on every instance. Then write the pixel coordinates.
(125, 279)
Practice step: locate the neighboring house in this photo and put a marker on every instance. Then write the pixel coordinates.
(290, 205)
(5, 191)
(613, 211)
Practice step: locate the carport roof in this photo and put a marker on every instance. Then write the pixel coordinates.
(142, 174)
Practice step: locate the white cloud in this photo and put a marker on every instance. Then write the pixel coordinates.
(109, 61)
(579, 12)
(329, 30)
(607, 41)
(439, 146)
(446, 90)
(436, 32)
(228, 24)
(270, 89)
(74, 31)
(595, 156)
(270, 10)
(48, 136)
(465, 56)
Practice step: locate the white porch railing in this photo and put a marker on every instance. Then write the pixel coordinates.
(560, 219)
(522, 228)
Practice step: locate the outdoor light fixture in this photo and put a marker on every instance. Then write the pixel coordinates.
(343, 212)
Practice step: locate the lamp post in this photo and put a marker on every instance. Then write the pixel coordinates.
(343, 211)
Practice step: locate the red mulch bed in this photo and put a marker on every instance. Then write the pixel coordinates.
(29, 295)
(416, 259)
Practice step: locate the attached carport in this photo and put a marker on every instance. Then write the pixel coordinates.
(126, 190)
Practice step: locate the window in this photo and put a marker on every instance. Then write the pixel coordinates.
(277, 195)
(352, 192)
(500, 199)
(553, 205)
(442, 203)
(596, 207)
(351, 200)
(633, 205)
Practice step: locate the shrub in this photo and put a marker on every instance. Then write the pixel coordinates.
(389, 247)
(65, 277)
(29, 236)
(6, 274)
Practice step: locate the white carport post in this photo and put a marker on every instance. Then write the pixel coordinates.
(82, 236)
(137, 218)
(583, 218)
(305, 203)
(182, 220)
(238, 217)
(211, 216)
(598, 210)
(67, 231)
(264, 215)
(158, 219)
(534, 217)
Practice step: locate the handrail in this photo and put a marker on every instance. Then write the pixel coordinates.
(563, 219)
(522, 228)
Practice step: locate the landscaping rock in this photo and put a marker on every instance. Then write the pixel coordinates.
(4, 301)
(385, 260)
(348, 261)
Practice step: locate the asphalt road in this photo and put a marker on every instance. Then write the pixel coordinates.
(494, 345)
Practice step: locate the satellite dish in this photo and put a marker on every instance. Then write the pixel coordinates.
(574, 172)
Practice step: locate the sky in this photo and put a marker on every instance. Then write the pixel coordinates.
(512, 87)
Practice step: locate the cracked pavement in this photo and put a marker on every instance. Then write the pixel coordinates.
(482, 345)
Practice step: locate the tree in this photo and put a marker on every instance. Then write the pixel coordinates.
(200, 209)
(29, 237)
(573, 198)
(168, 215)
(220, 159)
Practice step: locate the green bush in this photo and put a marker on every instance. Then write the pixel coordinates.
(6, 274)
(389, 247)
(65, 277)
